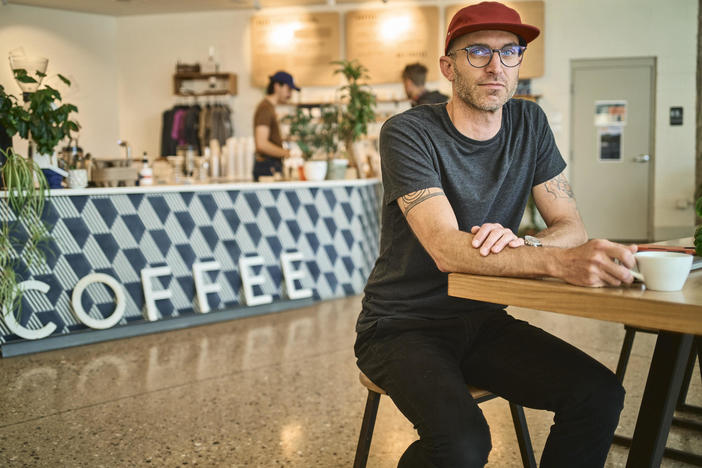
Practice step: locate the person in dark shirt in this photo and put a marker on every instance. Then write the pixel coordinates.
(267, 137)
(456, 179)
(414, 78)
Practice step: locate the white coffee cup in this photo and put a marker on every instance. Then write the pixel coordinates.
(663, 271)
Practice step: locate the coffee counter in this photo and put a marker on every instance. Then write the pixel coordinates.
(131, 260)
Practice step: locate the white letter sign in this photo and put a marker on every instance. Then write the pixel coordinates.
(201, 288)
(14, 326)
(98, 324)
(151, 296)
(290, 274)
(249, 280)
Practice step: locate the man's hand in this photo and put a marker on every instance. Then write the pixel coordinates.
(593, 264)
(492, 238)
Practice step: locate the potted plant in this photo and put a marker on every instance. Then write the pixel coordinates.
(304, 132)
(358, 108)
(44, 122)
(23, 233)
(328, 141)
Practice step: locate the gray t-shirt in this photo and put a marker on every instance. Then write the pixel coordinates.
(484, 181)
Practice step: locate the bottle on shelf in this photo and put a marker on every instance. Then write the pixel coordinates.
(146, 174)
(210, 66)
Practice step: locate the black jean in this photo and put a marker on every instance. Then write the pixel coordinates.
(424, 366)
(267, 167)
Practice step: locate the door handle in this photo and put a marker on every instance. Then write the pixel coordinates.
(642, 158)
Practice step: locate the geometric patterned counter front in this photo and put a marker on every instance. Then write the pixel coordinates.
(334, 226)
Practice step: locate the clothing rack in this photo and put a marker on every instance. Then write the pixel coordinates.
(194, 121)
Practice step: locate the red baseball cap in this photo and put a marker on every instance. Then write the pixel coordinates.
(488, 15)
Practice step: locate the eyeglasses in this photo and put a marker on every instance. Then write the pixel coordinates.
(479, 56)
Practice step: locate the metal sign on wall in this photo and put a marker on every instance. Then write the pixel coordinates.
(301, 44)
(386, 40)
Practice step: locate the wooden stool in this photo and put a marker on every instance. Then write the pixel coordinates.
(479, 395)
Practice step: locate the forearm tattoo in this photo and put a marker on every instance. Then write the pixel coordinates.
(559, 187)
(415, 198)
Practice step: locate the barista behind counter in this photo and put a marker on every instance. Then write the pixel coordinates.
(269, 142)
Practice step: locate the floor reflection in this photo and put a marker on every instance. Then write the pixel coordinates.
(273, 390)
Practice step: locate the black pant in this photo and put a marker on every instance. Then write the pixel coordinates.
(424, 366)
(267, 167)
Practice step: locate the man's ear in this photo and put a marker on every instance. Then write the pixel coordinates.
(447, 67)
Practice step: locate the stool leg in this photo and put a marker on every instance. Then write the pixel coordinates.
(364, 439)
(522, 430)
(625, 352)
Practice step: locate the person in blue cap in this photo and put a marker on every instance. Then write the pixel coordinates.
(267, 137)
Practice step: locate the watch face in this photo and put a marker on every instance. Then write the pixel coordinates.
(532, 241)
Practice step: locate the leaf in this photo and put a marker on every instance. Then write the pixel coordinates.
(64, 79)
(22, 76)
(25, 79)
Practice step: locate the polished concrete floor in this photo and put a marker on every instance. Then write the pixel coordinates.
(268, 391)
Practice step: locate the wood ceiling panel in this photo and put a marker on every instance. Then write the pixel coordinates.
(150, 7)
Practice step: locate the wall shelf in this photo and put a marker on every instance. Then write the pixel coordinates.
(205, 84)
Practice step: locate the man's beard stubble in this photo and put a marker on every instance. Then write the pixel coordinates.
(471, 94)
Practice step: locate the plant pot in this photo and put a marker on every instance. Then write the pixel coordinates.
(77, 178)
(315, 170)
(337, 169)
(53, 178)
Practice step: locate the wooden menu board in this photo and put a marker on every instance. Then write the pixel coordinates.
(302, 44)
(386, 40)
(531, 12)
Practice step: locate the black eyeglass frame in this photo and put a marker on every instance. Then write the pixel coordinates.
(492, 54)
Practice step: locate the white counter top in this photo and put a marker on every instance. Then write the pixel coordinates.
(217, 187)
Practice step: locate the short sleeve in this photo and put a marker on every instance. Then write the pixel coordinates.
(263, 116)
(549, 162)
(407, 158)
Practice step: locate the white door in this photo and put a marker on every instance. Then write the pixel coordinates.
(612, 105)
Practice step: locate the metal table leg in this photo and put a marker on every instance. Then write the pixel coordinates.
(660, 395)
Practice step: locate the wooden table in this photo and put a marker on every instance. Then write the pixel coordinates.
(677, 316)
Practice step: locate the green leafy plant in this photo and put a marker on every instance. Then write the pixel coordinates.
(313, 134)
(46, 121)
(303, 131)
(359, 102)
(327, 134)
(23, 234)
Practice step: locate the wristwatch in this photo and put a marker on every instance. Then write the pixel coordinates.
(532, 241)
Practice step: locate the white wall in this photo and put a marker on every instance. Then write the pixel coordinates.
(78, 46)
(633, 28)
(124, 67)
(148, 48)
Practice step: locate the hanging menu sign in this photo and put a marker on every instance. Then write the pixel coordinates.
(531, 12)
(386, 40)
(301, 44)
